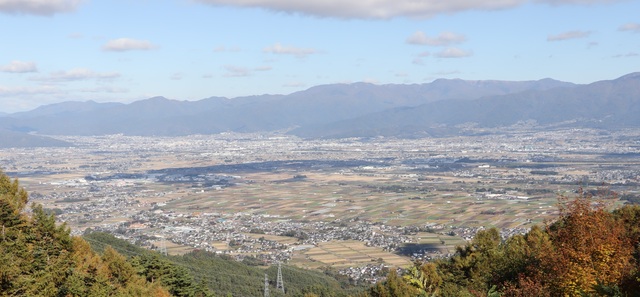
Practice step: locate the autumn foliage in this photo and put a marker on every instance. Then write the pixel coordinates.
(589, 250)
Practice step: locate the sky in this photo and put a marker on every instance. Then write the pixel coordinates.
(126, 50)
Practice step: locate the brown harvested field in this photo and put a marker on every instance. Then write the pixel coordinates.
(348, 253)
(327, 196)
(220, 245)
(173, 248)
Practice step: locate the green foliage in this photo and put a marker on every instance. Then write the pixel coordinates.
(39, 258)
(393, 286)
(201, 272)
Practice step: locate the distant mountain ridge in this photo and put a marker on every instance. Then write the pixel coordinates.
(608, 104)
(351, 110)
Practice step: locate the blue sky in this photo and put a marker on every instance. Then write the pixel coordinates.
(127, 50)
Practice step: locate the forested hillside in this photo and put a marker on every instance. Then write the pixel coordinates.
(38, 258)
(199, 270)
(588, 251)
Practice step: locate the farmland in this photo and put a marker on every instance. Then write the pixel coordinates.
(317, 203)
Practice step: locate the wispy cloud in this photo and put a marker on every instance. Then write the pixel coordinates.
(450, 72)
(105, 89)
(176, 76)
(31, 90)
(627, 55)
(569, 35)
(236, 71)
(453, 52)
(289, 50)
(19, 67)
(38, 7)
(263, 68)
(444, 39)
(76, 75)
(417, 61)
(633, 27)
(127, 44)
(222, 48)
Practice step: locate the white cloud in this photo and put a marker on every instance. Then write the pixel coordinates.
(417, 61)
(76, 74)
(370, 9)
(387, 9)
(633, 27)
(263, 68)
(289, 50)
(127, 44)
(236, 71)
(578, 2)
(453, 52)
(19, 67)
(444, 39)
(568, 35)
(38, 7)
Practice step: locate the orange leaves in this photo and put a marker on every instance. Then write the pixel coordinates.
(590, 247)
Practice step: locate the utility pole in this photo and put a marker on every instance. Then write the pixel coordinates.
(279, 282)
(266, 285)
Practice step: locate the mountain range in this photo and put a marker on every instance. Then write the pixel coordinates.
(352, 110)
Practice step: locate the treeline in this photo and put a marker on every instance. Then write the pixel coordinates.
(588, 251)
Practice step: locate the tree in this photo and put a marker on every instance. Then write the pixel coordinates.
(393, 286)
(40, 258)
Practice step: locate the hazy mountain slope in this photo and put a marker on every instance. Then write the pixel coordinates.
(10, 139)
(316, 106)
(604, 104)
(69, 107)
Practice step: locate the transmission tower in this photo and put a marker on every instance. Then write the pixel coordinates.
(163, 247)
(266, 285)
(279, 282)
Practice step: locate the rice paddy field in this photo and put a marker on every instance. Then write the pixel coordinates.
(441, 184)
(340, 254)
(331, 196)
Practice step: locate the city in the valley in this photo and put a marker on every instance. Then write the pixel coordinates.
(356, 204)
